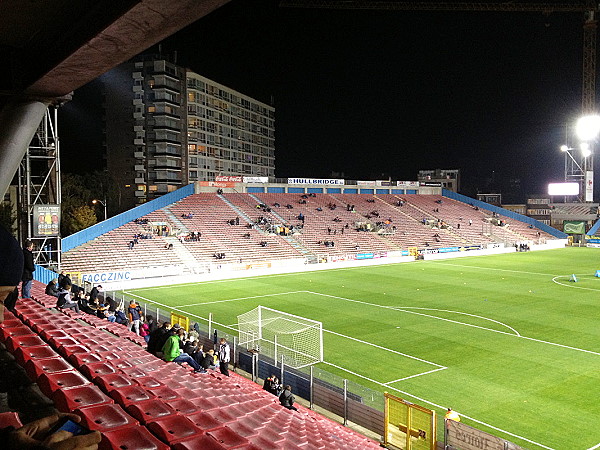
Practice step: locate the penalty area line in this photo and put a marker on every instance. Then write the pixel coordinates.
(240, 298)
(387, 349)
(415, 376)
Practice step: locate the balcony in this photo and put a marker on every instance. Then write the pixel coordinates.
(138, 141)
(138, 155)
(139, 181)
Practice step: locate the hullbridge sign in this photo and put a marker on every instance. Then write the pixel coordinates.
(335, 181)
(459, 436)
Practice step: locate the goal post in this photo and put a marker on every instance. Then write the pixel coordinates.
(275, 333)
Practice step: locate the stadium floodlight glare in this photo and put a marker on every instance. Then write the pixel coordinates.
(565, 148)
(563, 188)
(588, 127)
(585, 149)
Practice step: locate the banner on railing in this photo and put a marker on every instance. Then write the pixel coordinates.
(335, 181)
(256, 179)
(463, 437)
(106, 277)
(229, 178)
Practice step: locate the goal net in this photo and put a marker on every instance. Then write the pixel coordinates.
(275, 333)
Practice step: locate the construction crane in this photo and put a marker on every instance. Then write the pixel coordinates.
(588, 8)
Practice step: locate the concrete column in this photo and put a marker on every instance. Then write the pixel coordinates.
(19, 119)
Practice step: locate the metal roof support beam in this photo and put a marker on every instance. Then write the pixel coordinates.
(19, 120)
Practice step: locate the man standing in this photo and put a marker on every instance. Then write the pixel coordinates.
(224, 356)
(135, 316)
(28, 269)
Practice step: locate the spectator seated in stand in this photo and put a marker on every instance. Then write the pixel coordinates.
(64, 300)
(52, 288)
(171, 351)
(287, 398)
(272, 385)
(158, 337)
(209, 360)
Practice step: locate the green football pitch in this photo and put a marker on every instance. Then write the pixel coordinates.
(508, 340)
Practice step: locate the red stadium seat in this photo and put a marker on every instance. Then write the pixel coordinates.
(198, 442)
(105, 417)
(17, 330)
(67, 350)
(120, 363)
(163, 393)
(22, 355)
(79, 359)
(150, 410)
(183, 406)
(131, 438)
(14, 342)
(51, 382)
(97, 369)
(49, 333)
(148, 382)
(67, 400)
(204, 421)
(36, 367)
(112, 381)
(58, 341)
(128, 395)
(10, 419)
(227, 437)
(171, 429)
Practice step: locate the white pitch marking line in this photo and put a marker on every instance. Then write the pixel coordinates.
(442, 408)
(414, 376)
(571, 285)
(399, 308)
(494, 268)
(464, 314)
(594, 447)
(240, 298)
(389, 350)
(395, 308)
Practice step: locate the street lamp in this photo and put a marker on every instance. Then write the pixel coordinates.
(103, 203)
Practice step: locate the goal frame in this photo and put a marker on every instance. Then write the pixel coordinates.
(260, 325)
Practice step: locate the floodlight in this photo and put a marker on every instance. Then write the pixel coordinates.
(563, 189)
(585, 149)
(565, 148)
(588, 127)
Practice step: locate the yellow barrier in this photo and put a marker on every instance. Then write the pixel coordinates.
(183, 321)
(408, 426)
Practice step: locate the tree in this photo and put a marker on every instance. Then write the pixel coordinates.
(78, 218)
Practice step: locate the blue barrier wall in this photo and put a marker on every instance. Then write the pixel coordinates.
(594, 229)
(505, 212)
(101, 228)
(43, 274)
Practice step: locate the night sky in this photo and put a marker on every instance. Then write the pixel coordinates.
(374, 94)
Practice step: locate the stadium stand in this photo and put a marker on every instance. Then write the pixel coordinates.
(139, 401)
(231, 230)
